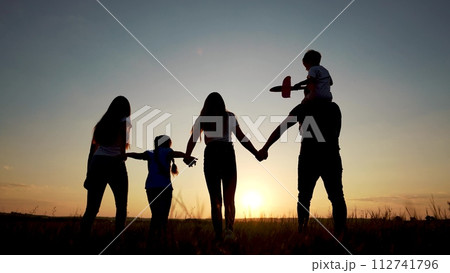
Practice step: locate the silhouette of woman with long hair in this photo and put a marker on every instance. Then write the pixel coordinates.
(217, 124)
(106, 164)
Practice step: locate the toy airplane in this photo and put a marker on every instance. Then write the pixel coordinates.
(286, 88)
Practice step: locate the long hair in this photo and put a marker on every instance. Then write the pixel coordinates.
(214, 106)
(112, 126)
(164, 141)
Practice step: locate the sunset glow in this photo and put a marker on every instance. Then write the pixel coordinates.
(252, 200)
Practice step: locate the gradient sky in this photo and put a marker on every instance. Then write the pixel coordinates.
(62, 63)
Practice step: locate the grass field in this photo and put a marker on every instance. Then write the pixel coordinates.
(29, 234)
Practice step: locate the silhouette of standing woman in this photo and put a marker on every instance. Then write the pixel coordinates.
(106, 164)
(217, 124)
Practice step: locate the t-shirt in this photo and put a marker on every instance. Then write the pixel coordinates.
(322, 81)
(322, 121)
(223, 129)
(158, 174)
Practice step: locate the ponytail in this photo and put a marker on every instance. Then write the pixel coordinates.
(174, 168)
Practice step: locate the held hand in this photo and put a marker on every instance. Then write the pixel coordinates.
(262, 155)
(265, 153)
(190, 161)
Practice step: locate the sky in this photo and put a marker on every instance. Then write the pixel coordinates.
(63, 62)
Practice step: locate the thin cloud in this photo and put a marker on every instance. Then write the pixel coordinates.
(15, 186)
(7, 167)
(404, 198)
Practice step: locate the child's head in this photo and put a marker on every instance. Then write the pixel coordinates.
(311, 58)
(162, 141)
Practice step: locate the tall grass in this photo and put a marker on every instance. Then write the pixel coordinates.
(436, 211)
(382, 234)
(380, 231)
(195, 212)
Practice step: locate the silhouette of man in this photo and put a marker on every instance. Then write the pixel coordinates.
(320, 126)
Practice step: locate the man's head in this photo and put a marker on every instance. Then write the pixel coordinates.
(311, 58)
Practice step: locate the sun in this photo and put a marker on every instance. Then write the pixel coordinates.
(252, 200)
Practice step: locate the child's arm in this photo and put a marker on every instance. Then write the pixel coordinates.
(178, 154)
(305, 82)
(309, 90)
(308, 87)
(141, 156)
(311, 86)
(190, 159)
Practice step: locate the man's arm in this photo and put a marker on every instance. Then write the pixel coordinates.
(279, 131)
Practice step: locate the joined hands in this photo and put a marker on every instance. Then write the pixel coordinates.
(262, 155)
(190, 161)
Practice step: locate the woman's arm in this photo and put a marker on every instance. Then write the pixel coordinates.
(189, 148)
(178, 154)
(195, 135)
(91, 152)
(245, 141)
(123, 139)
